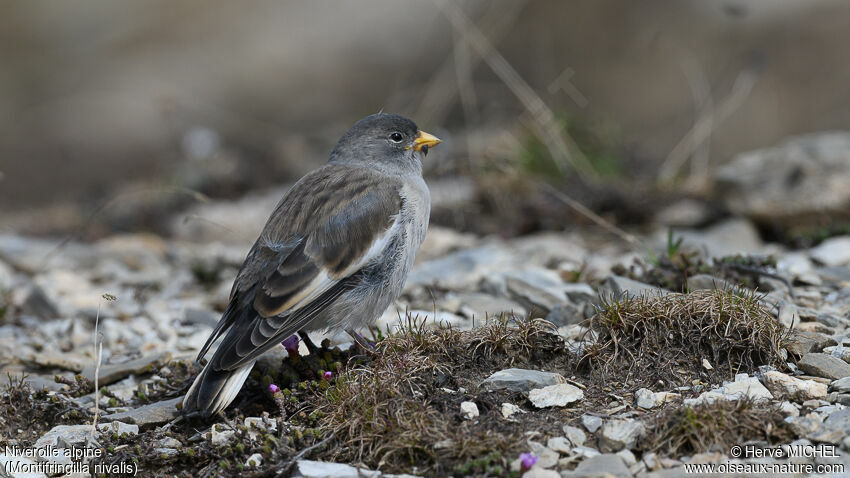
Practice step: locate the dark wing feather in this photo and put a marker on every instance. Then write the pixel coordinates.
(306, 257)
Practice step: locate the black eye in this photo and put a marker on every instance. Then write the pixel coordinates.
(396, 137)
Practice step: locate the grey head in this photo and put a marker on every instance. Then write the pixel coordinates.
(387, 142)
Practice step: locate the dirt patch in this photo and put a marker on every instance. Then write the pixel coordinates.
(26, 414)
(683, 339)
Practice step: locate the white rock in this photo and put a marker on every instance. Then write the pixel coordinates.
(743, 386)
(591, 422)
(789, 409)
(647, 399)
(221, 437)
(575, 435)
(784, 385)
(585, 451)
(509, 409)
(619, 434)
(555, 395)
(559, 444)
(324, 469)
(120, 428)
(256, 425)
(468, 410)
(521, 380)
(254, 460)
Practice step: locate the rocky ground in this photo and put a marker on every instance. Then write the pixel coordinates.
(551, 354)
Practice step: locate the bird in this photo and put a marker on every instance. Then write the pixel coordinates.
(333, 255)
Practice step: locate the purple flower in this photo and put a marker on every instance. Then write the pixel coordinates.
(527, 460)
(327, 375)
(273, 388)
(291, 345)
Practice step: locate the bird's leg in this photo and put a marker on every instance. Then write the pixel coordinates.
(361, 341)
(309, 343)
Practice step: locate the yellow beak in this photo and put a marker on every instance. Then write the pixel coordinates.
(425, 140)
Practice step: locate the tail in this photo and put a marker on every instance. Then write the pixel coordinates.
(213, 390)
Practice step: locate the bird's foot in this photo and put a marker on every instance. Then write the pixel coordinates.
(361, 342)
(309, 343)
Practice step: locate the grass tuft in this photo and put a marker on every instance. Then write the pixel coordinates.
(649, 339)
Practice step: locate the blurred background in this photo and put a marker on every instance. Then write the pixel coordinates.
(147, 116)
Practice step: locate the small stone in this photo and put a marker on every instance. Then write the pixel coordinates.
(220, 436)
(168, 442)
(509, 409)
(64, 436)
(618, 434)
(591, 422)
(521, 380)
(536, 472)
(585, 451)
(254, 460)
(149, 415)
(647, 399)
(789, 409)
(255, 425)
(120, 428)
(575, 435)
(166, 452)
(823, 365)
(559, 444)
(841, 385)
(706, 364)
(785, 386)
(617, 286)
(606, 464)
(811, 428)
(546, 458)
(109, 373)
(802, 343)
(834, 251)
(468, 410)
(559, 395)
(705, 281)
(744, 386)
(627, 456)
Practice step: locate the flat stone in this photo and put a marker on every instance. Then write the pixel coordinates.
(480, 305)
(841, 385)
(13, 465)
(802, 343)
(221, 436)
(705, 281)
(823, 365)
(559, 444)
(324, 469)
(606, 464)
(785, 386)
(566, 313)
(149, 415)
(461, 270)
(591, 422)
(559, 395)
(834, 251)
(64, 436)
(812, 429)
(537, 289)
(536, 472)
(165, 452)
(618, 286)
(110, 373)
(743, 387)
(619, 434)
(521, 380)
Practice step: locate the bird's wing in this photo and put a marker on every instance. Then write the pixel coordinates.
(331, 223)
